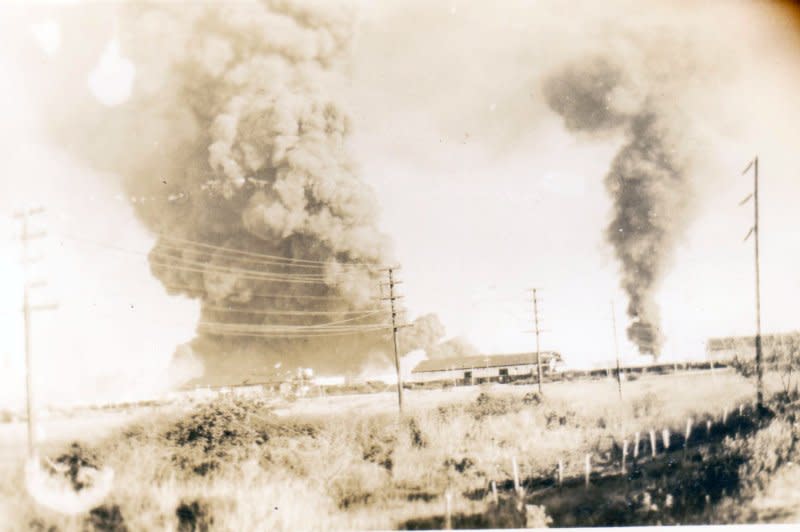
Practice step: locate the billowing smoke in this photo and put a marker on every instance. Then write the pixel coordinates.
(423, 333)
(647, 180)
(426, 333)
(234, 151)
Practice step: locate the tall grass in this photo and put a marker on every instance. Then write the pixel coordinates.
(237, 465)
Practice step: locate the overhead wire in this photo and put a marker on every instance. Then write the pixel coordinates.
(264, 255)
(331, 328)
(186, 264)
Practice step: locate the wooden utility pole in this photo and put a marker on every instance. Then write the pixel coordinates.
(537, 331)
(754, 232)
(27, 308)
(392, 299)
(616, 349)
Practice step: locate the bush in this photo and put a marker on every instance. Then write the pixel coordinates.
(487, 405)
(194, 516)
(216, 433)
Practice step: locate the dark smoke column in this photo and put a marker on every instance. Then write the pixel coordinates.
(647, 179)
(234, 139)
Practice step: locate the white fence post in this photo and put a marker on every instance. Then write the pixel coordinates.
(653, 442)
(588, 471)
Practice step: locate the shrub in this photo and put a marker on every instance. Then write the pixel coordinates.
(487, 405)
(106, 519)
(194, 516)
(215, 433)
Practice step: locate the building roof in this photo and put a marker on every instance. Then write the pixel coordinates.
(483, 361)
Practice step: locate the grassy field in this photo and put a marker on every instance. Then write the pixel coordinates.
(350, 462)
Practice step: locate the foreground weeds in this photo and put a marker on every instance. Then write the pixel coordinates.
(234, 464)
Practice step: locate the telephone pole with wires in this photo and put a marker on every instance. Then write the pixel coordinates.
(538, 332)
(754, 232)
(26, 236)
(395, 326)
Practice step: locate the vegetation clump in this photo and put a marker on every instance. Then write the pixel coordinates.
(72, 463)
(216, 433)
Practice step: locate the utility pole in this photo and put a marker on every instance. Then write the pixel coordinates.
(27, 308)
(537, 331)
(392, 297)
(616, 349)
(754, 232)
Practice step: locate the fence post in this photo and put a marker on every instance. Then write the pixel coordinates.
(725, 416)
(665, 438)
(588, 469)
(636, 446)
(494, 491)
(448, 523)
(708, 428)
(624, 454)
(688, 432)
(516, 474)
(653, 442)
(560, 472)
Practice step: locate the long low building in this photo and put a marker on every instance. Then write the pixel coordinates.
(485, 368)
(744, 347)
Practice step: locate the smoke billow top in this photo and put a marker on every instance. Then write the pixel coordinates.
(234, 151)
(647, 179)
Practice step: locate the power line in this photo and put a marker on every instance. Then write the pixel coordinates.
(240, 274)
(263, 255)
(330, 326)
(364, 313)
(188, 288)
(228, 253)
(185, 264)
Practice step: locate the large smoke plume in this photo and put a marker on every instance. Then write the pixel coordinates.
(647, 180)
(233, 139)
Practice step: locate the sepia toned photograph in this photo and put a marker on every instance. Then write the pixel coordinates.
(334, 265)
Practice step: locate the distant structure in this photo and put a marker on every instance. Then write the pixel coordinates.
(744, 347)
(477, 369)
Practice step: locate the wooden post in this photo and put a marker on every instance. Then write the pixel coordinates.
(636, 446)
(588, 468)
(624, 454)
(560, 472)
(708, 428)
(725, 415)
(494, 491)
(741, 410)
(392, 298)
(688, 432)
(516, 474)
(448, 523)
(653, 442)
(616, 350)
(665, 438)
(538, 352)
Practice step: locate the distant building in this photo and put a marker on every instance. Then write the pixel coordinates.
(744, 347)
(485, 368)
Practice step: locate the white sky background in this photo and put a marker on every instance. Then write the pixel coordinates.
(483, 191)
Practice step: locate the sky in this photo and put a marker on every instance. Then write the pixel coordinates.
(482, 189)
